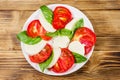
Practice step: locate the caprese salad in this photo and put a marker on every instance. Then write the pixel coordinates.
(57, 40)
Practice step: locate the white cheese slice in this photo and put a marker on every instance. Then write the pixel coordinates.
(76, 46)
(61, 41)
(47, 26)
(71, 24)
(34, 49)
(57, 53)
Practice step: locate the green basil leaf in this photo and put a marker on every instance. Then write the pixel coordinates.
(53, 34)
(79, 58)
(48, 14)
(22, 36)
(65, 32)
(45, 64)
(62, 32)
(78, 24)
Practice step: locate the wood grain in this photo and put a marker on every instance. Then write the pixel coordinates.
(104, 63)
(104, 25)
(107, 43)
(100, 64)
(81, 4)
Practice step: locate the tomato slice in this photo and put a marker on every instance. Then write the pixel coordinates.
(35, 29)
(58, 24)
(42, 55)
(65, 61)
(61, 10)
(87, 49)
(85, 36)
(61, 17)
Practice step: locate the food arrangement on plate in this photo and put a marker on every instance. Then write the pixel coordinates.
(57, 39)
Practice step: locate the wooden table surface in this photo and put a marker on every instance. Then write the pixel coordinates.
(104, 63)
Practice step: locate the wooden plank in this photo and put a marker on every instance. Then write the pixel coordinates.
(11, 54)
(107, 44)
(34, 75)
(104, 25)
(9, 21)
(100, 64)
(80, 4)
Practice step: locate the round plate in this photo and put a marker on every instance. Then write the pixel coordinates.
(75, 13)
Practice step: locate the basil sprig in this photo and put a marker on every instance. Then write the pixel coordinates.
(62, 32)
(53, 34)
(48, 14)
(79, 58)
(78, 24)
(65, 32)
(45, 64)
(22, 36)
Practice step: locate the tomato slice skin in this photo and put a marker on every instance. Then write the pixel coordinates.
(65, 61)
(35, 29)
(87, 49)
(61, 17)
(85, 36)
(58, 24)
(61, 10)
(42, 55)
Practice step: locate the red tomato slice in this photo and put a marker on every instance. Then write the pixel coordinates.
(42, 55)
(85, 36)
(35, 29)
(61, 17)
(87, 49)
(61, 10)
(65, 61)
(58, 24)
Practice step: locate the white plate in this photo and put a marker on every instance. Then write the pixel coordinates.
(76, 13)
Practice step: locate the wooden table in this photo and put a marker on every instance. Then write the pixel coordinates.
(105, 61)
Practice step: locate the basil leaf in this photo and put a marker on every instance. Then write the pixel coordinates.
(53, 34)
(79, 58)
(22, 36)
(62, 32)
(45, 64)
(78, 24)
(65, 32)
(48, 14)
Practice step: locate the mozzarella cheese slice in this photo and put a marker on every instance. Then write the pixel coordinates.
(76, 46)
(71, 24)
(61, 41)
(47, 26)
(34, 49)
(57, 53)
